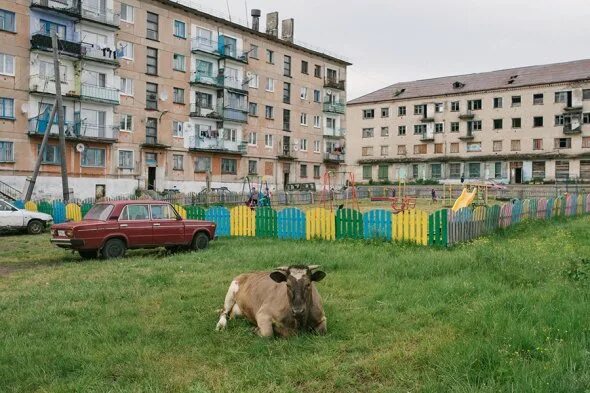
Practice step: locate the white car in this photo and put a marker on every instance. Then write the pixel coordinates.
(12, 218)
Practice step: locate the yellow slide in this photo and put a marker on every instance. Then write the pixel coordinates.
(465, 199)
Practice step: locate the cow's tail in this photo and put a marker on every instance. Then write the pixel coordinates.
(228, 305)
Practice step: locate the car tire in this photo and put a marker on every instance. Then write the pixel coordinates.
(35, 227)
(86, 254)
(200, 241)
(114, 248)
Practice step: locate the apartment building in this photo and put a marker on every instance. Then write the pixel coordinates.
(516, 125)
(159, 95)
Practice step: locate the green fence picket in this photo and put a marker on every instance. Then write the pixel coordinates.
(266, 222)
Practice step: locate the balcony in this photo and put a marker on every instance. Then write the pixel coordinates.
(205, 112)
(335, 107)
(102, 55)
(570, 129)
(216, 143)
(427, 119)
(286, 154)
(76, 131)
(152, 142)
(231, 114)
(427, 137)
(335, 132)
(198, 78)
(45, 84)
(466, 115)
(573, 108)
(200, 44)
(333, 83)
(334, 158)
(468, 136)
(233, 83)
(105, 95)
(42, 41)
(102, 16)
(62, 7)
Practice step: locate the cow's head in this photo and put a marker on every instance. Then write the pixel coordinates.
(298, 279)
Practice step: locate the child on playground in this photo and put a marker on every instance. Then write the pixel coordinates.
(253, 199)
(433, 194)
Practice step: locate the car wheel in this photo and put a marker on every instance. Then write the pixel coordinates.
(35, 227)
(88, 254)
(114, 248)
(200, 241)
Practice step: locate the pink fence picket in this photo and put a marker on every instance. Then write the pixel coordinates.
(541, 208)
(506, 215)
(588, 203)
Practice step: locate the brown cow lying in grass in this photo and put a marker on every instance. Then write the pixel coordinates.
(283, 302)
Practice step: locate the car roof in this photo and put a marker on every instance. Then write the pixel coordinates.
(133, 202)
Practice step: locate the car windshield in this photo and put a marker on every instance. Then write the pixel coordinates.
(99, 212)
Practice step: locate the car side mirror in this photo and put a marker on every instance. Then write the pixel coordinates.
(178, 218)
(114, 218)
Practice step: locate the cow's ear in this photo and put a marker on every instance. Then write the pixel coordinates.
(318, 275)
(278, 276)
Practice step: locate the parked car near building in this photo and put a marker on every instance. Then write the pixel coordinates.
(13, 218)
(109, 229)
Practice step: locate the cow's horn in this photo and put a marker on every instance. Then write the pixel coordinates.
(313, 267)
(282, 268)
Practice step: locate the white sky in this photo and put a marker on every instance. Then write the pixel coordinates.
(391, 41)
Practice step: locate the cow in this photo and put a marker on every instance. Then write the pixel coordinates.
(282, 302)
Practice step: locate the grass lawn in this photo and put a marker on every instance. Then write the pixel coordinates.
(509, 313)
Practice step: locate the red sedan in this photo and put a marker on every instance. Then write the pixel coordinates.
(110, 228)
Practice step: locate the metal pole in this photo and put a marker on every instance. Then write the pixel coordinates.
(40, 155)
(60, 118)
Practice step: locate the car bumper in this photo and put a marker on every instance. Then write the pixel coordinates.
(68, 243)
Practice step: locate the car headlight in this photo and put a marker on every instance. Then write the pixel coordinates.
(70, 233)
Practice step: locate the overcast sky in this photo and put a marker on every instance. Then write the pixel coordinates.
(391, 41)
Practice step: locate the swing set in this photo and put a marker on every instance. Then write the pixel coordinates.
(347, 184)
(263, 197)
(400, 201)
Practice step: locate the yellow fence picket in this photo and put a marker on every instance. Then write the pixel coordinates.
(320, 224)
(242, 221)
(31, 206)
(73, 212)
(181, 210)
(412, 226)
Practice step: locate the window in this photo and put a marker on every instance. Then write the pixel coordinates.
(127, 13)
(253, 51)
(126, 123)
(538, 99)
(127, 86)
(420, 149)
(304, 67)
(303, 170)
(229, 166)
(516, 122)
(497, 146)
(178, 129)
(383, 172)
(152, 26)
(179, 29)
(316, 146)
(401, 130)
(473, 147)
(455, 126)
(439, 128)
(474, 125)
(586, 142)
(230, 134)
(6, 64)
(252, 138)
(539, 170)
(474, 105)
(498, 124)
(435, 171)
(269, 112)
(419, 109)
(586, 118)
(203, 100)
(303, 93)
(516, 100)
(316, 171)
(537, 144)
(438, 107)
(92, 157)
(126, 159)
(49, 27)
(126, 50)
(498, 102)
(270, 56)
(268, 140)
(252, 167)
(454, 170)
(330, 123)
(561, 96)
(562, 170)
(384, 150)
(303, 145)
(538, 121)
(438, 148)
(317, 121)
(6, 108)
(178, 95)
(203, 164)
(474, 170)
(151, 159)
(151, 96)
(455, 106)
(384, 131)
(415, 171)
(287, 65)
(515, 145)
(401, 150)
(454, 147)
(401, 111)
(384, 112)
(303, 119)
(317, 71)
(368, 113)
(559, 120)
(152, 61)
(151, 130)
(367, 151)
(51, 154)
(368, 132)
(419, 129)
(177, 162)
(178, 62)
(163, 212)
(270, 84)
(253, 109)
(286, 120)
(367, 172)
(135, 212)
(286, 93)
(7, 21)
(563, 143)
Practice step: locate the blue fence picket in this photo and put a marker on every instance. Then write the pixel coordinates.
(549, 212)
(291, 224)
(220, 216)
(377, 224)
(516, 212)
(59, 212)
(19, 204)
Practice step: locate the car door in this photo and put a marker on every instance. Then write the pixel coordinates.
(168, 228)
(10, 216)
(135, 223)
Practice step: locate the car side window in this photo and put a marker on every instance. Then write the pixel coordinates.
(135, 212)
(5, 207)
(162, 212)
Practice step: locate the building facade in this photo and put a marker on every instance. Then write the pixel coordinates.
(161, 96)
(529, 124)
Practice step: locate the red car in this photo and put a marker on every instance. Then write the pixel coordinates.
(110, 228)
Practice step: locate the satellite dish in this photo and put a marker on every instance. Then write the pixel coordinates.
(189, 127)
(249, 74)
(80, 147)
(295, 148)
(163, 96)
(329, 92)
(24, 108)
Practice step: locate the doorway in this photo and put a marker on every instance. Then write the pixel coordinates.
(516, 172)
(151, 182)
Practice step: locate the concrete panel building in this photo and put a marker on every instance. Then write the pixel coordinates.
(515, 125)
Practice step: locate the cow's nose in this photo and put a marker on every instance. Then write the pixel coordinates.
(298, 311)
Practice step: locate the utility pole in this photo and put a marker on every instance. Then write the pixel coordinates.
(41, 152)
(60, 118)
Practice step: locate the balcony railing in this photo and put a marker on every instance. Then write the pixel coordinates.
(334, 157)
(46, 84)
(205, 45)
(233, 83)
(335, 107)
(216, 144)
(468, 115)
(101, 94)
(335, 132)
(42, 40)
(571, 130)
(237, 115)
(104, 54)
(73, 130)
(333, 83)
(207, 79)
(209, 112)
(107, 17)
(468, 135)
(70, 7)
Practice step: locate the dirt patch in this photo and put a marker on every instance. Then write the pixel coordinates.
(6, 270)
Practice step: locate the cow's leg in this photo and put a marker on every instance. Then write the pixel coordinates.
(322, 327)
(264, 323)
(228, 305)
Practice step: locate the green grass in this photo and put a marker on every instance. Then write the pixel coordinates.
(506, 313)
